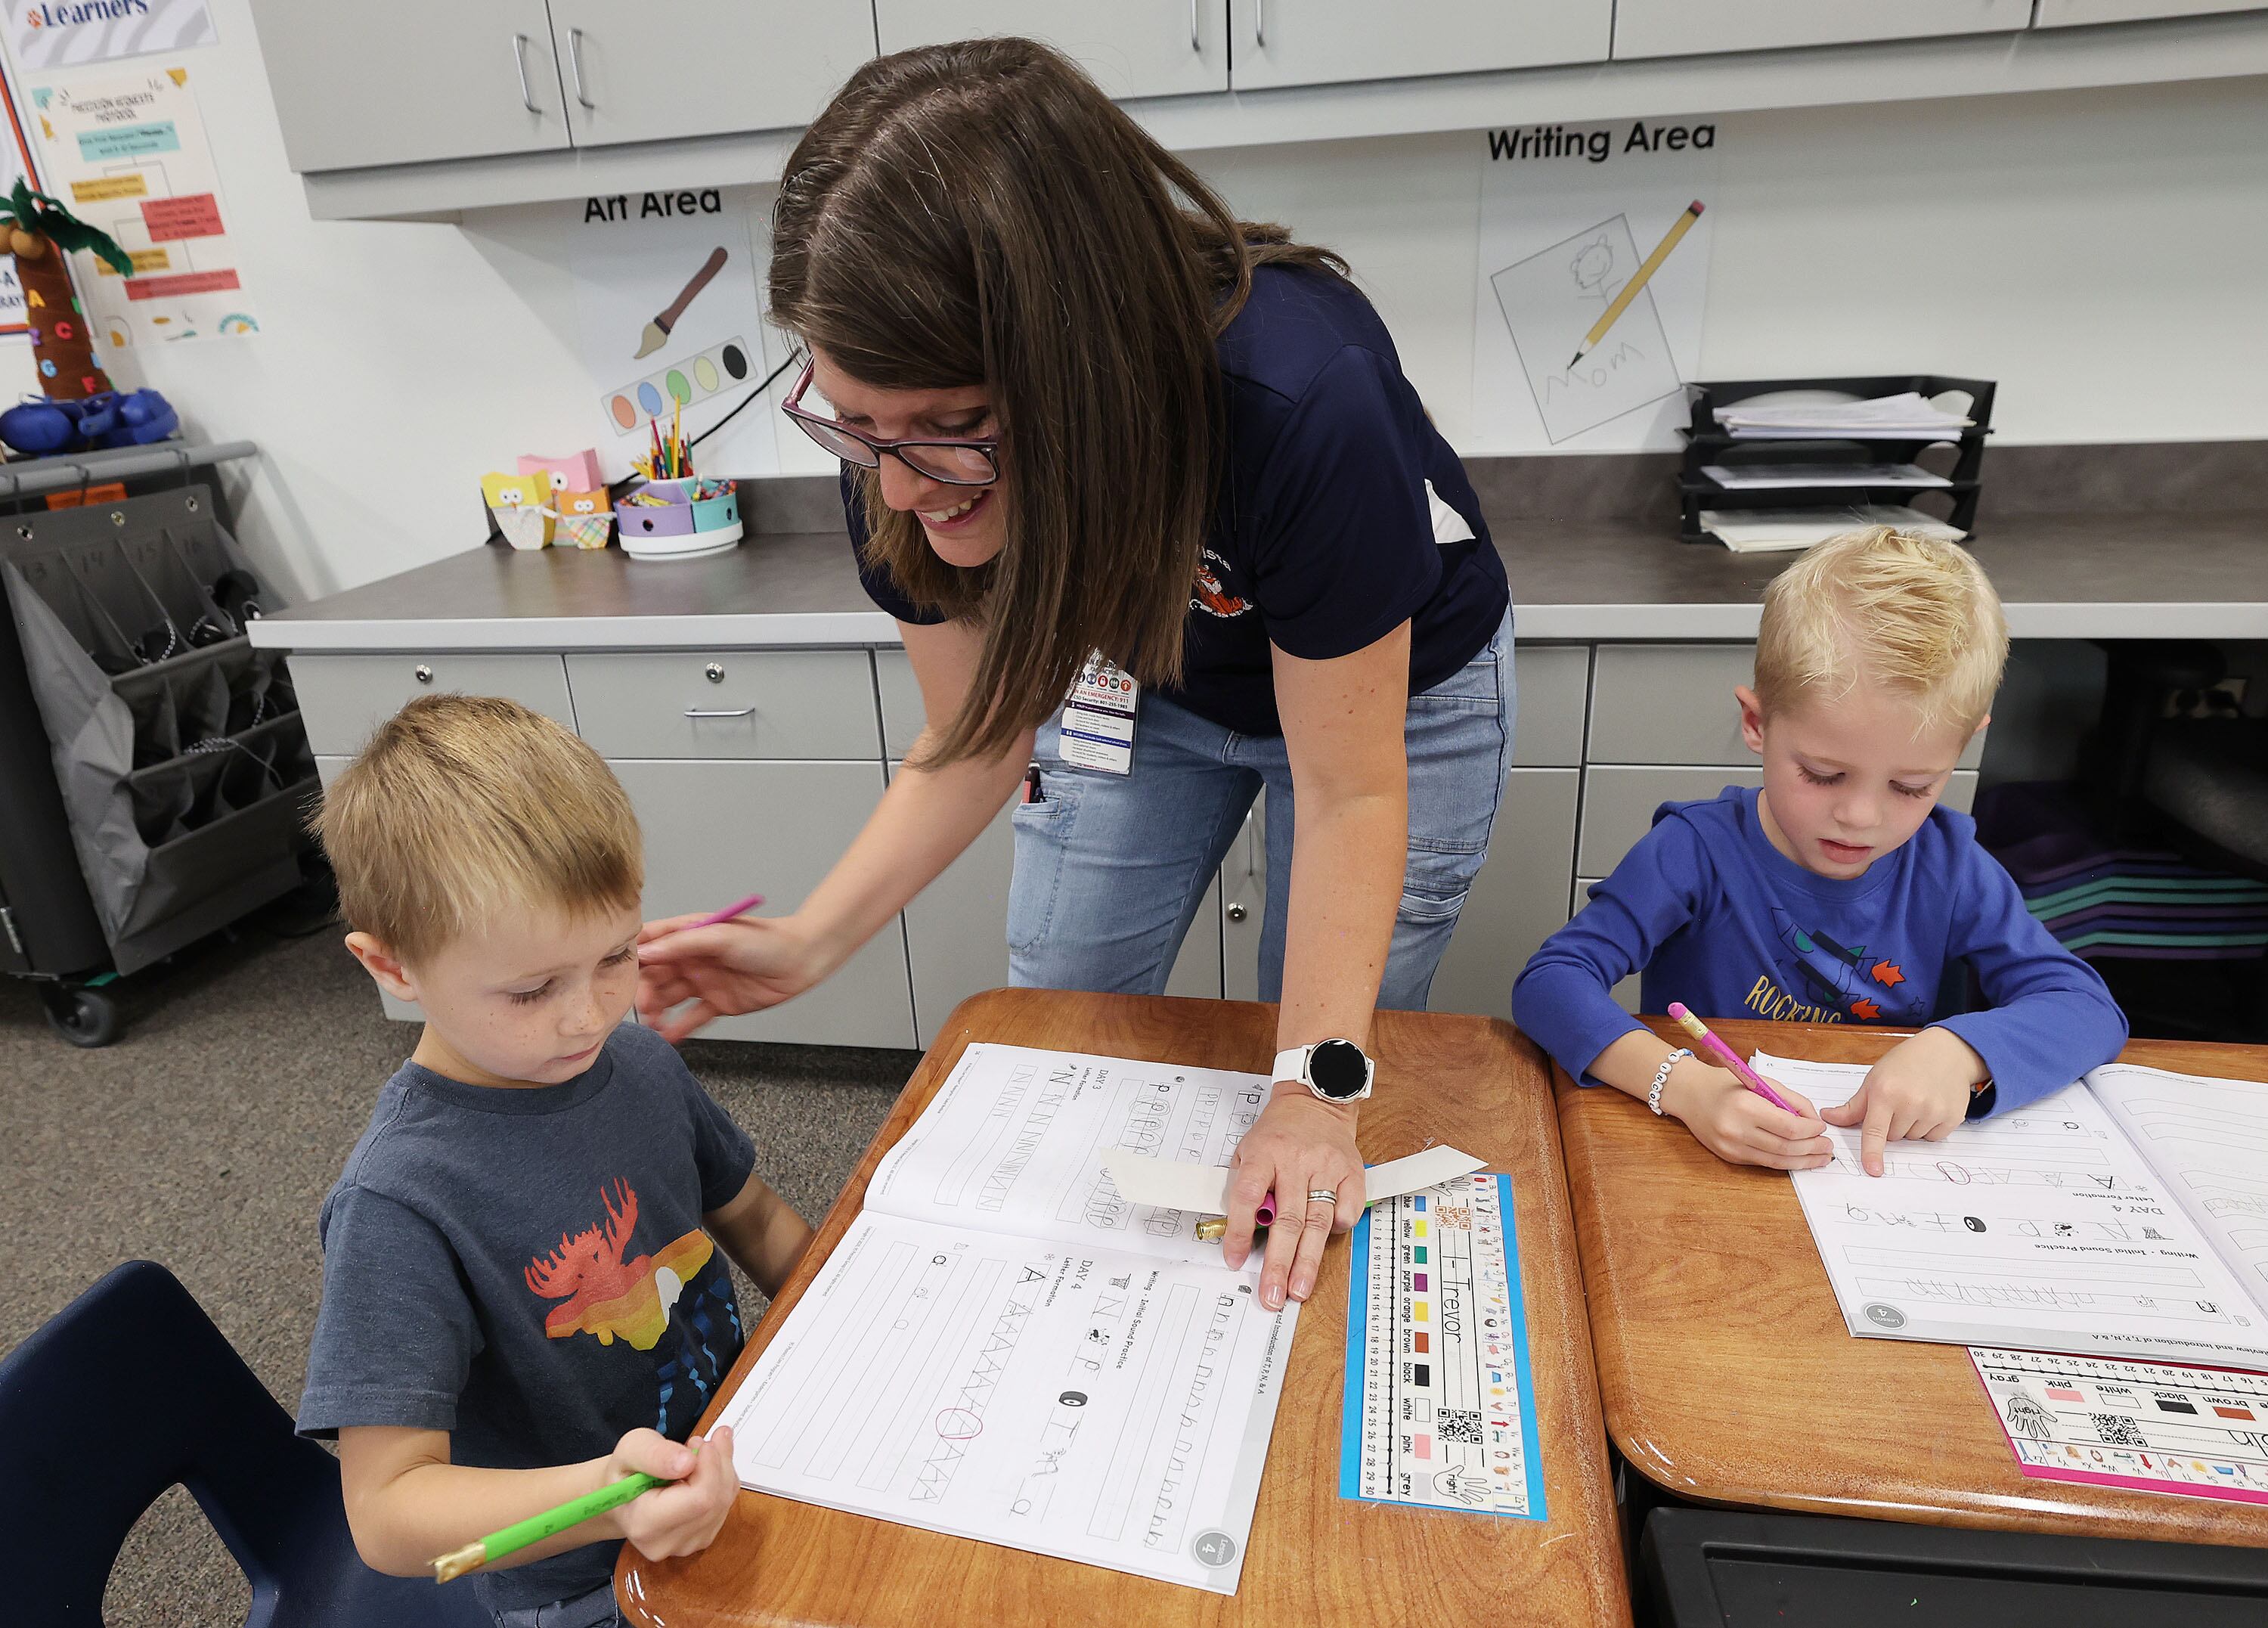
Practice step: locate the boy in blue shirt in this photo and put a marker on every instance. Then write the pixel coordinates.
(523, 1298)
(1840, 891)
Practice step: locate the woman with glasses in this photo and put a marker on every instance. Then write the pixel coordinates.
(1157, 513)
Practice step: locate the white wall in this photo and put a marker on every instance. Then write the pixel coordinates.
(2104, 254)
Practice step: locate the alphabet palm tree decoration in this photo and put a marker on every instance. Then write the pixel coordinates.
(39, 232)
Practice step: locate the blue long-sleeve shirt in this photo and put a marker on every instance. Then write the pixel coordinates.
(1720, 919)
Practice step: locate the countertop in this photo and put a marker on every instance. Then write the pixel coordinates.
(2192, 574)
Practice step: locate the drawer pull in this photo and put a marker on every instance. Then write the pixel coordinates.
(720, 712)
(423, 675)
(714, 671)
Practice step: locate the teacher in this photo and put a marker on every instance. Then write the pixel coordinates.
(1157, 514)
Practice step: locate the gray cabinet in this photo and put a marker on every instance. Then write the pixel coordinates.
(1135, 47)
(716, 830)
(2066, 13)
(638, 73)
(1551, 686)
(412, 80)
(345, 697)
(1690, 27)
(799, 703)
(1519, 899)
(1280, 42)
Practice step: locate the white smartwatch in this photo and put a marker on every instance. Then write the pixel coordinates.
(1334, 1071)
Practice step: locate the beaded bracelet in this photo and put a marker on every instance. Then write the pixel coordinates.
(1661, 1078)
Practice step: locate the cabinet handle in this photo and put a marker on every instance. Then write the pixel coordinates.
(1195, 44)
(720, 712)
(575, 62)
(519, 63)
(1259, 23)
(1236, 912)
(423, 674)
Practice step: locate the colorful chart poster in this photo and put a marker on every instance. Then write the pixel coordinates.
(2155, 1426)
(1440, 1408)
(71, 33)
(15, 162)
(128, 153)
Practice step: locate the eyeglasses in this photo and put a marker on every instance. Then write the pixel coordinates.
(957, 461)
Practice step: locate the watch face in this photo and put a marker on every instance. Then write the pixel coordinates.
(1338, 1068)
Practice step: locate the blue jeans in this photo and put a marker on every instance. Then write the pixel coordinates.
(1110, 869)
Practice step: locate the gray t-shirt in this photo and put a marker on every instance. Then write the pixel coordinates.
(526, 1268)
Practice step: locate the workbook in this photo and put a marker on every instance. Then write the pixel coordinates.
(1005, 1348)
(2125, 1215)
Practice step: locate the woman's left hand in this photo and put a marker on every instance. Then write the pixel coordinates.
(1299, 1146)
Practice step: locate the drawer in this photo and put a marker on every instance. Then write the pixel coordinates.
(903, 712)
(345, 697)
(1673, 703)
(803, 704)
(1619, 801)
(1553, 686)
(1519, 899)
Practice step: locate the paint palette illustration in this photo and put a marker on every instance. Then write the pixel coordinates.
(680, 384)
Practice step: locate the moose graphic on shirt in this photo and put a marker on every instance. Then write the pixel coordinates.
(638, 1301)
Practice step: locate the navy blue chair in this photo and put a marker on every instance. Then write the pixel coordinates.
(129, 1390)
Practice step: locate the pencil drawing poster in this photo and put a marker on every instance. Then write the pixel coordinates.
(1569, 216)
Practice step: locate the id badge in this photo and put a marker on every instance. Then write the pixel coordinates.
(1097, 718)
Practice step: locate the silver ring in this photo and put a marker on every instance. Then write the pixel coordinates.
(1322, 1195)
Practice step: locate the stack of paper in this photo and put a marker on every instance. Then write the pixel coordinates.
(1889, 417)
(1764, 477)
(1761, 531)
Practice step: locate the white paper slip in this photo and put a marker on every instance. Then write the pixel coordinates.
(1440, 1408)
(2043, 1228)
(1204, 1189)
(2153, 1426)
(1766, 477)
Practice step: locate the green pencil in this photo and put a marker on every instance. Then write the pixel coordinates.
(535, 1529)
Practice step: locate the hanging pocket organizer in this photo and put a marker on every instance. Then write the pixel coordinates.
(179, 749)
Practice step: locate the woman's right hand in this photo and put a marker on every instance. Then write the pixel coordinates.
(1738, 1125)
(732, 967)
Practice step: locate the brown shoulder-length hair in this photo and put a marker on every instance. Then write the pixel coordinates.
(980, 213)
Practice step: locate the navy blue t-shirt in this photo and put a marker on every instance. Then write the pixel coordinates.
(1323, 535)
(527, 1270)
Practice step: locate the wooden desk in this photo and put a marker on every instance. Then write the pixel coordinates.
(1727, 1373)
(1315, 1557)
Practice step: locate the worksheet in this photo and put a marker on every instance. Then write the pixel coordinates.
(2209, 1139)
(1003, 1349)
(2046, 1227)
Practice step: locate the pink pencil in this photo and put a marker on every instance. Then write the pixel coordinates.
(1726, 1054)
(739, 907)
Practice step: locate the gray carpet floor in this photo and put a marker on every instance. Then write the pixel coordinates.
(206, 1138)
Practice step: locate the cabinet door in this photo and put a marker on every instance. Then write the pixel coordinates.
(717, 829)
(1326, 42)
(410, 81)
(1138, 47)
(1243, 888)
(1519, 899)
(1690, 27)
(703, 67)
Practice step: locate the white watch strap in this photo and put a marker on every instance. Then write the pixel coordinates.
(1292, 1064)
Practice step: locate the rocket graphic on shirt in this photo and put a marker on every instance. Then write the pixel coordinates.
(1872, 989)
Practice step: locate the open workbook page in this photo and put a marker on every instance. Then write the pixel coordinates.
(2207, 1139)
(2045, 1229)
(1003, 1349)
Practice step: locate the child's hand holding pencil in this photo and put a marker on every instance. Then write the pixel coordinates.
(662, 1497)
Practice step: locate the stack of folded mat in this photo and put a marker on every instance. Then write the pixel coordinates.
(2102, 901)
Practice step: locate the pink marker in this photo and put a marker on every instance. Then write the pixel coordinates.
(739, 907)
(1726, 1054)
